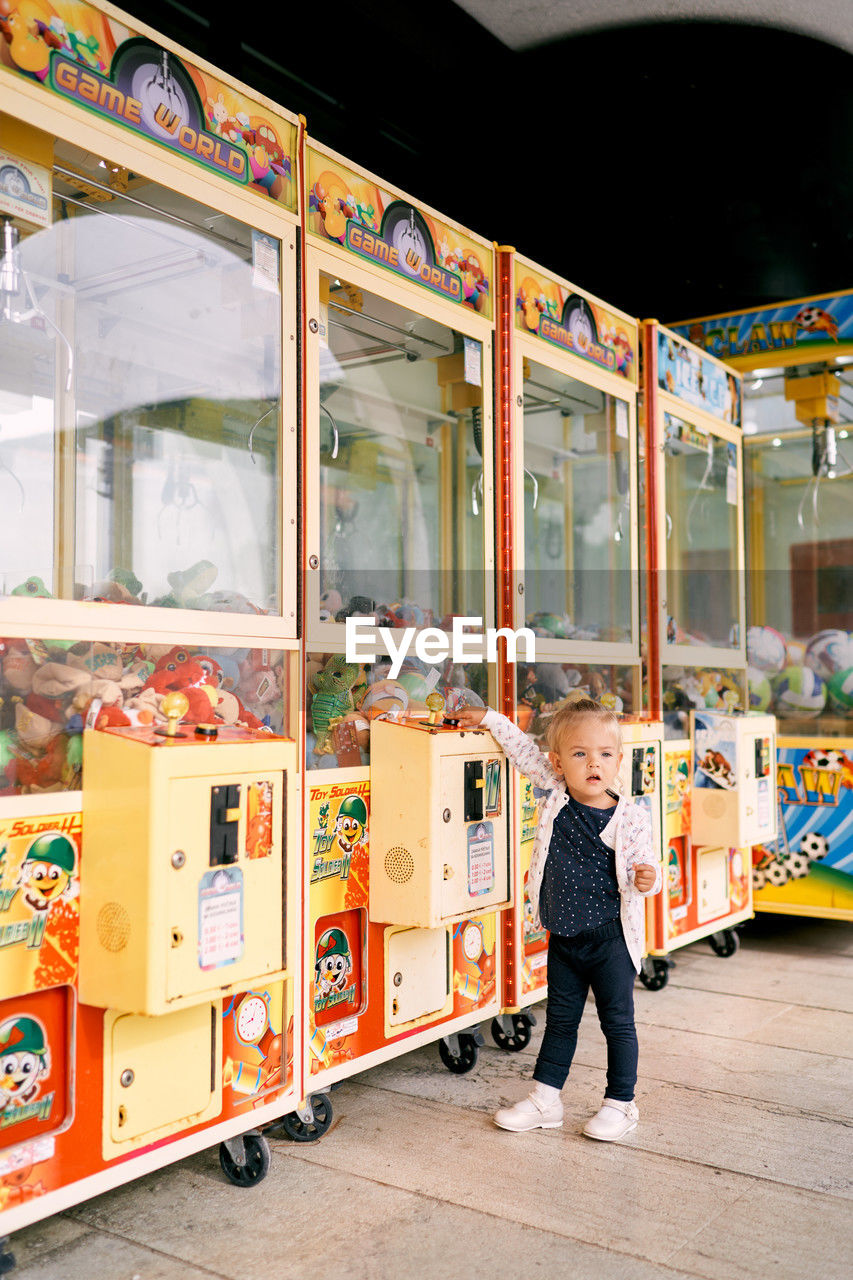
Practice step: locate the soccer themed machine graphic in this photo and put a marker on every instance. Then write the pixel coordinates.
(150, 782)
(796, 360)
(406, 815)
(719, 793)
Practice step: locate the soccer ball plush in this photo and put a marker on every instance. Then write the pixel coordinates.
(765, 649)
(760, 692)
(797, 691)
(798, 866)
(813, 846)
(840, 690)
(828, 652)
(759, 877)
(777, 874)
(818, 759)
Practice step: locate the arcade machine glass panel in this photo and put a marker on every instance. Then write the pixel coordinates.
(577, 509)
(401, 464)
(140, 374)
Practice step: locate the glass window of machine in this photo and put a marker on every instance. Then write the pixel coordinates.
(701, 537)
(577, 512)
(140, 380)
(401, 498)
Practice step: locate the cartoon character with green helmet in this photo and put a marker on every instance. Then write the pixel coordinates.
(332, 964)
(47, 869)
(24, 1058)
(351, 823)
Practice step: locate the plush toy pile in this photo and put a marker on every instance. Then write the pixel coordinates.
(800, 679)
(347, 695)
(50, 690)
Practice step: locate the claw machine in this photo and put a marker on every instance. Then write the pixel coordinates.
(150, 789)
(568, 555)
(718, 776)
(796, 360)
(407, 817)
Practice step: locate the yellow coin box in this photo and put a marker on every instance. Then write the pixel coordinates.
(183, 894)
(438, 833)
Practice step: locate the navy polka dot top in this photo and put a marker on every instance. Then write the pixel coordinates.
(579, 887)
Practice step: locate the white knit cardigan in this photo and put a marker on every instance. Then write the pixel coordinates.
(628, 832)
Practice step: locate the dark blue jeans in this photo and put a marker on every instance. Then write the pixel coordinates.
(598, 959)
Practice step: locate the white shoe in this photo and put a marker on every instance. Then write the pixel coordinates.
(612, 1121)
(530, 1113)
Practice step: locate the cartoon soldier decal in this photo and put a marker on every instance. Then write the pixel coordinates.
(350, 823)
(332, 966)
(47, 869)
(24, 1059)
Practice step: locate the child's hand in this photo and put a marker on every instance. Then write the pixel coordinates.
(644, 876)
(469, 717)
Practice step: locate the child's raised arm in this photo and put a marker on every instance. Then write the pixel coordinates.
(521, 750)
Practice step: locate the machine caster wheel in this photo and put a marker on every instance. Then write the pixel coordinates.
(7, 1258)
(460, 1053)
(724, 944)
(512, 1031)
(654, 973)
(308, 1123)
(245, 1160)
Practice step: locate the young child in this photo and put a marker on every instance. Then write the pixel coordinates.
(591, 867)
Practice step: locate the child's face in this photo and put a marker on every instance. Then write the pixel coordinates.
(588, 760)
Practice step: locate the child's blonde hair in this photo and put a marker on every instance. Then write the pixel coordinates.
(565, 716)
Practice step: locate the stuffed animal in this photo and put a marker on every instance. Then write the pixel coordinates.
(334, 692)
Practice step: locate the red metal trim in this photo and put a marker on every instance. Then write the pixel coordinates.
(505, 568)
(504, 563)
(299, 1081)
(654, 675)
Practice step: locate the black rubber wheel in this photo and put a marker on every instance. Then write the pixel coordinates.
(257, 1164)
(659, 977)
(724, 944)
(468, 1055)
(298, 1130)
(520, 1037)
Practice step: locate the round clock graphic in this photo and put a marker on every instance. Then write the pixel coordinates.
(580, 322)
(160, 82)
(251, 1018)
(472, 942)
(406, 231)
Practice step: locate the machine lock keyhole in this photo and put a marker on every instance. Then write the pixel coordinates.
(122, 1116)
(177, 937)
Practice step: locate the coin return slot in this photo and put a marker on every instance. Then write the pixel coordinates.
(224, 824)
(474, 791)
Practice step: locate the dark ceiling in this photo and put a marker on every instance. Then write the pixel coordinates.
(674, 169)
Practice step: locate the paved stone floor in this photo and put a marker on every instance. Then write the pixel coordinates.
(740, 1168)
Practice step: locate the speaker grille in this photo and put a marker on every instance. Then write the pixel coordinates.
(714, 804)
(399, 864)
(113, 926)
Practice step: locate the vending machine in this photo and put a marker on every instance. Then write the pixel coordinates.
(718, 790)
(150, 782)
(407, 817)
(795, 361)
(568, 554)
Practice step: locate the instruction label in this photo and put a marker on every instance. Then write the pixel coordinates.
(481, 858)
(220, 917)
